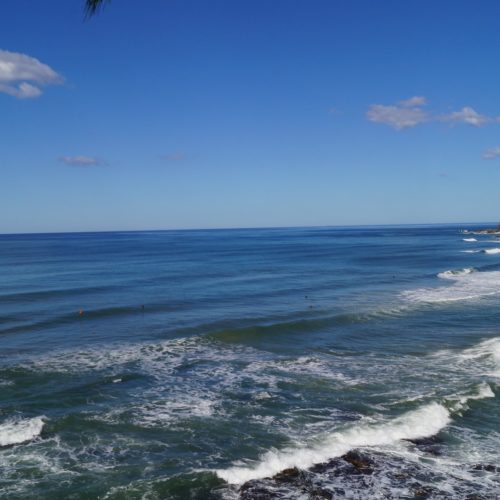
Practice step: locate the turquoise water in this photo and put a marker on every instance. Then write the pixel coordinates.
(182, 364)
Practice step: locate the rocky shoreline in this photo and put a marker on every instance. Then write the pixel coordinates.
(358, 474)
(489, 231)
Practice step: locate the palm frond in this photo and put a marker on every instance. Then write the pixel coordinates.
(92, 6)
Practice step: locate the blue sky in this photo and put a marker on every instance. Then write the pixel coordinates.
(193, 114)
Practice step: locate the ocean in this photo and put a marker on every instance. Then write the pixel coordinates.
(353, 362)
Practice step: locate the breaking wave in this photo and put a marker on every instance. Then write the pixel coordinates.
(20, 431)
(465, 286)
(457, 272)
(423, 422)
(491, 251)
(484, 357)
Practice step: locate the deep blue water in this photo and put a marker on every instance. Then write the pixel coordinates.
(181, 364)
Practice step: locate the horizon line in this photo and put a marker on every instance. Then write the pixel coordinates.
(249, 228)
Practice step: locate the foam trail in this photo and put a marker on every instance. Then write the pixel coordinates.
(423, 422)
(20, 431)
(470, 239)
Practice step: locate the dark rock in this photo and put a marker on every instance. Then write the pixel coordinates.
(320, 494)
(360, 462)
(287, 475)
(428, 444)
(253, 490)
(421, 491)
(426, 441)
(360, 472)
(333, 464)
(486, 467)
(273, 487)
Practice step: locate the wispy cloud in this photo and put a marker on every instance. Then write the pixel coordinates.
(22, 76)
(81, 161)
(405, 114)
(173, 157)
(467, 115)
(491, 154)
(409, 113)
(416, 100)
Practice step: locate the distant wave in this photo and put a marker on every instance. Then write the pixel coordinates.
(457, 272)
(483, 232)
(465, 286)
(492, 250)
(19, 431)
(423, 422)
(470, 239)
(29, 323)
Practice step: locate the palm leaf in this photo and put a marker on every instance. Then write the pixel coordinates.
(92, 6)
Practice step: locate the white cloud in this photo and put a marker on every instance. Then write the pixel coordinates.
(491, 154)
(17, 70)
(409, 113)
(467, 115)
(81, 161)
(406, 114)
(416, 100)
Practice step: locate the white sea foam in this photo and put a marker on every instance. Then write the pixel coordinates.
(459, 401)
(17, 431)
(425, 421)
(465, 286)
(488, 350)
(480, 360)
(470, 251)
(454, 273)
(313, 366)
(470, 239)
(263, 395)
(181, 406)
(492, 251)
(158, 359)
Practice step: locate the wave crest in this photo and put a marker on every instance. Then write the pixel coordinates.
(466, 286)
(19, 431)
(423, 422)
(457, 272)
(492, 251)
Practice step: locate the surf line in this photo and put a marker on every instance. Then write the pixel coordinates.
(423, 422)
